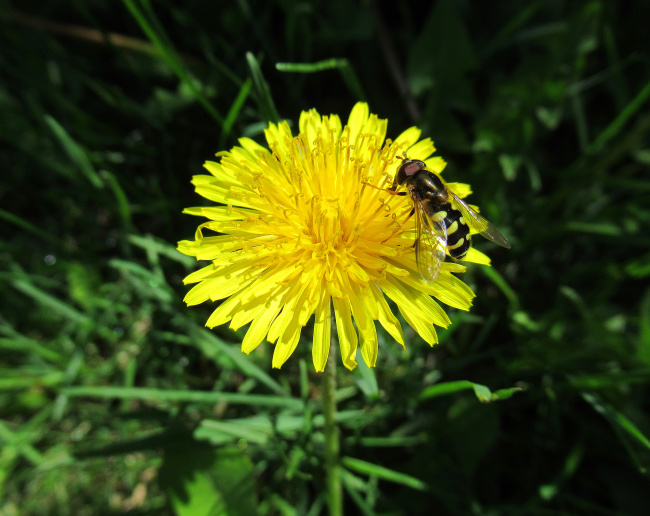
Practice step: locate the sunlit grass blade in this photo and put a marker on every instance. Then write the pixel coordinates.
(389, 442)
(282, 507)
(350, 485)
(482, 392)
(260, 428)
(28, 346)
(26, 378)
(256, 430)
(368, 468)
(16, 446)
(139, 393)
(366, 379)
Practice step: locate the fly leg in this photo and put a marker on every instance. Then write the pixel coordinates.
(390, 190)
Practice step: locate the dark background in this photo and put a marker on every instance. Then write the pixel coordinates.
(106, 111)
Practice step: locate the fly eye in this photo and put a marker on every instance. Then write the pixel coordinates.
(412, 168)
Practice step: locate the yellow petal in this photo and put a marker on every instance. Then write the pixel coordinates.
(286, 345)
(473, 255)
(348, 340)
(201, 274)
(260, 325)
(230, 280)
(414, 301)
(244, 315)
(254, 149)
(421, 150)
(369, 347)
(221, 213)
(226, 177)
(462, 190)
(368, 301)
(322, 333)
(453, 292)
(257, 291)
(200, 293)
(435, 164)
(447, 288)
(222, 195)
(386, 317)
(365, 324)
(296, 297)
(265, 284)
(358, 118)
(452, 267)
(408, 138)
(425, 329)
(208, 246)
(279, 137)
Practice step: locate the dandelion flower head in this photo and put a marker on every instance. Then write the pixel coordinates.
(298, 231)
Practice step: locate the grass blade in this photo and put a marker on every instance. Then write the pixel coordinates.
(341, 64)
(260, 400)
(28, 226)
(75, 152)
(169, 55)
(483, 394)
(49, 301)
(368, 468)
(617, 124)
(262, 91)
(213, 346)
(617, 419)
(233, 112)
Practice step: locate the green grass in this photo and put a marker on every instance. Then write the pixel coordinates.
(115, 399)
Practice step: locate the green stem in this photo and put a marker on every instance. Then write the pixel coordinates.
(332, 445)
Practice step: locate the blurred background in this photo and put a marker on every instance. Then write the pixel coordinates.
(113, 397)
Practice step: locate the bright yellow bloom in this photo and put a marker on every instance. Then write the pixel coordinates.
(300, 232)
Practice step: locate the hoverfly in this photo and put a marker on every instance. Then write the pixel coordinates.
(442, 219)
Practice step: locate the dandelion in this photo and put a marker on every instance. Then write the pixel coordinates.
(299, 230)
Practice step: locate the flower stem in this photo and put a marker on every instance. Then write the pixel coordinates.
(332, 445)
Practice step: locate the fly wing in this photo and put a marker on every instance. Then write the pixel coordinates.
(430, 243)
(483, 226)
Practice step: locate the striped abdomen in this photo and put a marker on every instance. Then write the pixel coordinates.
(458, 237)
